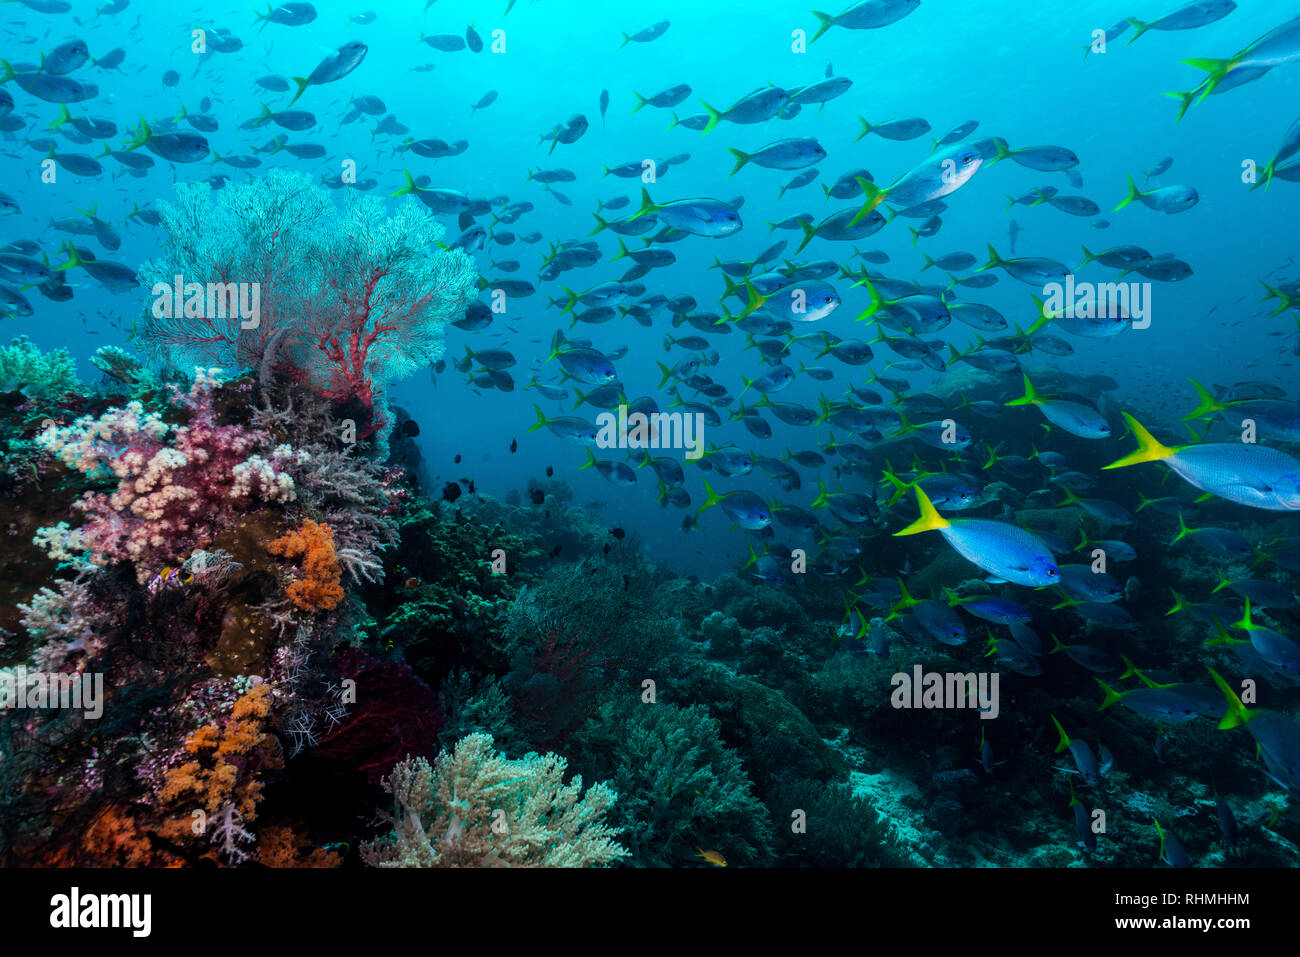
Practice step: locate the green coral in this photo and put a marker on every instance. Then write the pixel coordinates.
(682, 788)
(40, 375)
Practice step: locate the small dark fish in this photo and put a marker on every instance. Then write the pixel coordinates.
(617, 533)
(514, 445)
(451, 492)
(604, 105)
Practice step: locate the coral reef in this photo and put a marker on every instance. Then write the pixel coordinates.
(36, 374)
(347, 301)
(485, 810)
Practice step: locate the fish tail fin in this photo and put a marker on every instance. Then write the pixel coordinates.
(647, 206)
(541, 419)
(823, 496)
(711, 499)
(928, 263)
(1183, 530)
(1064, 742)
(1139, 27)
(1148, 450)
(1179, 603)
(900, 487)
(1133, 193)
(714, 117)
(866, 128)
(754, 299)
(877, 301)
(1237, 713)
(667, 374)
(1185, 98)
(1070, 498)
(73, 261)
(1087, 257)
(9, 72)
(1130, 669)
(1217, 70)
(1269, 169)
(1245, 623)
(824, 22)
(874, 196)
(741, 159)
(591, 460)
(809, 231)
(601, 223)
(916, 234)
(994, 259)
(622, 250)
(1031, 396)
(302, 83)
(1209, 404)
(640, 101)
(626, 40)
(1112, 696)
(930, 518)
(410, 186)
(1221, 636)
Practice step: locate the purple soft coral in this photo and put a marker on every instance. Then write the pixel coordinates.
(177, 486)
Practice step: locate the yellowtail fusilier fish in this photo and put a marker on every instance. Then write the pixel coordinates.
(1244, 473)
(1007, 552)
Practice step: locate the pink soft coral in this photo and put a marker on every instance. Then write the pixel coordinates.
(177, 485)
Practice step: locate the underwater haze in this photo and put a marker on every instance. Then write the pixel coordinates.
(883, 420)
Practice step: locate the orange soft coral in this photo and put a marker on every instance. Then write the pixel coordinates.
(220, 780)
(320, 588)
(280, 846)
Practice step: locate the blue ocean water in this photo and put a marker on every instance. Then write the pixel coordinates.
(1015, 69)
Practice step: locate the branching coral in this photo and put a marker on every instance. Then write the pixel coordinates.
(35, 373)
(683, 787)
(68, 619)
(348, 302)
(177, 486)
(219, 779)
(312, 545)
(359, 500)
(476, 808)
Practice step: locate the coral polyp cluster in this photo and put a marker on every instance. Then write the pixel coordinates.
(177, 485)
